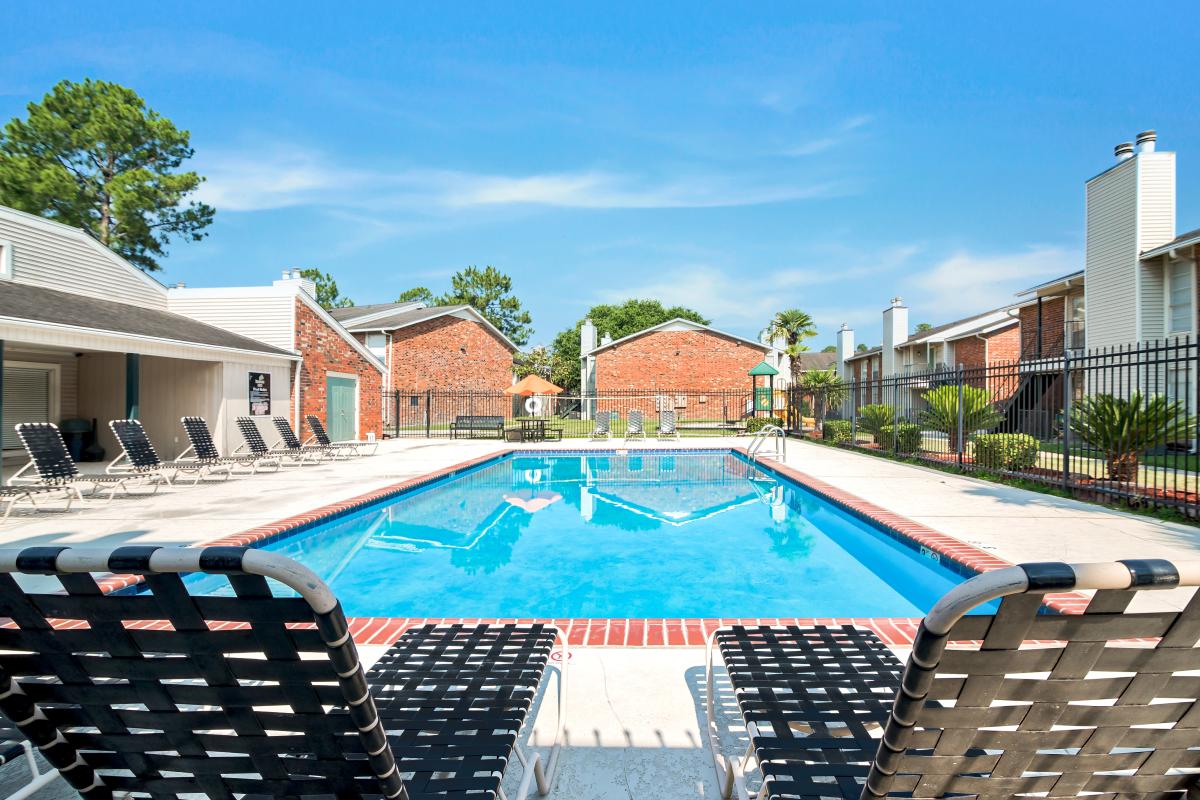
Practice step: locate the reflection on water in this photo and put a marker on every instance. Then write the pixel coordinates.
(648, 535)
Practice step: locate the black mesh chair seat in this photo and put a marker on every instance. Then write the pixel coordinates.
(1016, 703)
(321, 437)
(453, 699)
(816, 700)
(290, 443)
(166, 694)
(53, 466)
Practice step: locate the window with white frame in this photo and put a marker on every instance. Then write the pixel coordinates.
(1181, 288)
(6, 268)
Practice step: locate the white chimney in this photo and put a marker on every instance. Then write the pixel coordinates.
(293, 277)
(845, 349)
(895, 333)
(605, 340)
(287, 275)
(587, 337)
(1130, 208)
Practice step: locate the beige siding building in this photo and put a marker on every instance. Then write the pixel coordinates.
(85, 335)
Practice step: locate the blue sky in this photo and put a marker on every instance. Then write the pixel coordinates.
(735, 158)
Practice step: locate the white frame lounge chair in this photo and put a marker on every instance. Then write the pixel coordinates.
(138, 456)
(603, 427)
(668, 425)
(253, 444)
(151, 694)
(11, 495)
(635, 425)
(290, 443)
(321, 437)
(202, 450)
(52, 465)
(1018, 703)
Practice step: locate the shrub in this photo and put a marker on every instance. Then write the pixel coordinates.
(874, 418)
(756, 424)
(902, 438)
(942, 415)
(836, 430)
(1006, 450)
(1124, 429)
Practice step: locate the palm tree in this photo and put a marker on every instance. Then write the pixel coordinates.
(1124, 428)
(793, 326)
(827, 389)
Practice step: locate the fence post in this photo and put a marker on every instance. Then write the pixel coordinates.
(1066, 426)
(961, 443)
(428, 418)
(853, 418)
(396, 415)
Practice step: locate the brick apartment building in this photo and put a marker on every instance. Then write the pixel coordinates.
(435, 347)
(981, 340)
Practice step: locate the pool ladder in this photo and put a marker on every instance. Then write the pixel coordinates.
(773, 433)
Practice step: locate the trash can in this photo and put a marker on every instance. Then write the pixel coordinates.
(74, 431)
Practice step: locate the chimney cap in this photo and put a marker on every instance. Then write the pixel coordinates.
(1123, 151)
(1146, 141)
(180, 285)
(844, 327)
(897, 301)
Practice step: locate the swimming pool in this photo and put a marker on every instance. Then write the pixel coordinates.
(615, 534)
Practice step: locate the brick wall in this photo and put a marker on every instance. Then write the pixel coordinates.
(450, 353)
(324, 351)
(1053, 315)
(995, 349)
(691, 360)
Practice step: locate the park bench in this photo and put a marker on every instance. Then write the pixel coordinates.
(470, 423)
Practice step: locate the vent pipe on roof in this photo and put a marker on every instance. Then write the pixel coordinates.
(1123, 151)
(1146, 141)
(287, 274)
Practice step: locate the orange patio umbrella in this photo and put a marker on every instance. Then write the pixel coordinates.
(533, 384)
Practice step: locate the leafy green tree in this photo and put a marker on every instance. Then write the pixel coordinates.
(327, 289)
(829, 348)
(616, 320)
(538, 361)
(793, 326)
(862, 348)
(417, 294)
(922, 327)
(1126, 428)
(978, 413)
(92, 155)
(827, 389)
(489, 291)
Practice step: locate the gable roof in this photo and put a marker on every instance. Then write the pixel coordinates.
(973, 324)
(1182, 240)
(681, 323)
(812, 361)
(406, 316)
(354, 313)
(26, 303)
(1062, 279)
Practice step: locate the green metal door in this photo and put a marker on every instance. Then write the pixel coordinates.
(339, 408)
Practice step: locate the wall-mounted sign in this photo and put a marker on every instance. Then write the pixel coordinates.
(260, 394)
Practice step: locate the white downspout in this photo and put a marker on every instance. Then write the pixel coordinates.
(296, 397)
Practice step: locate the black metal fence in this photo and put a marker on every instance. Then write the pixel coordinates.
(434, 413)
(1105, 424)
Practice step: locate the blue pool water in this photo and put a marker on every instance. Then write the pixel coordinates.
(703, 534)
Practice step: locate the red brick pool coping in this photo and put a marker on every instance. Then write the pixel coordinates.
(644, 632)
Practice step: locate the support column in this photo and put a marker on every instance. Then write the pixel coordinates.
(133, 385)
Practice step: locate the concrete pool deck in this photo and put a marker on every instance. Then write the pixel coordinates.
(636, 723)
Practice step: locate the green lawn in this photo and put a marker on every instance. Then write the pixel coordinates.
(1181, 461)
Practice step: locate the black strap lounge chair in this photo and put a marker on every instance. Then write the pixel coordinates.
(290, 443)
(321, 437)
(254, 444)
(603, 429)
(11, 495)
(1018, 703)
(635, 428)
(138, 456)
(668, 425)
(167, 694)
(51, 465)
(202, 450)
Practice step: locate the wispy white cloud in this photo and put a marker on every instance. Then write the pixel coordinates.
(722, 294)
(965, 282)
(289, 176)
(840, 134)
